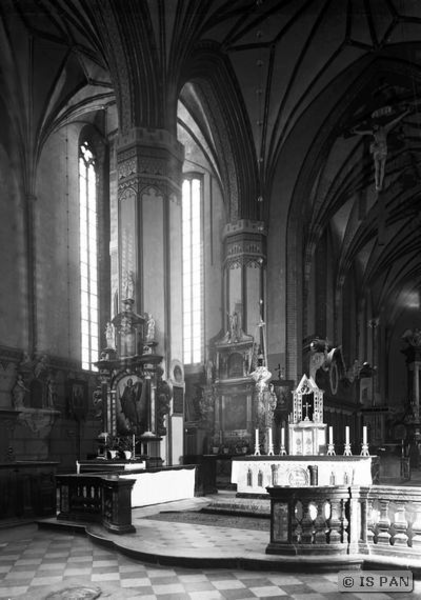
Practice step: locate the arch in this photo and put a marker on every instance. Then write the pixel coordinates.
(318, 130)
(214, 101)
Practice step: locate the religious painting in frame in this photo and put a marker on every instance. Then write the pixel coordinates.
(235, 412)
(131, 405)
(178, 400)
(177, 372)
(283, 393)
(78, 403)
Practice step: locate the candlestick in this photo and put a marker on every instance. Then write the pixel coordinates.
(256, 443)
(347, 449)
(270, 442)
(331, 445)
(282, 451)
(364, 446)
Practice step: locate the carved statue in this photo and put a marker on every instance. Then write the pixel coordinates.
(412, 337)
(378, 146)
(129, 286)
(235, 327)
(51, 392)
(209, 371)
(319, 356)
(261, 376)
(110, 335)
(265, 410)
(162, 402)
(40, 366)
(150, 328)
(19, 390)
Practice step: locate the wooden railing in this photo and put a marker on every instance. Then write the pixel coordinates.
(339, 520)
(104, 499)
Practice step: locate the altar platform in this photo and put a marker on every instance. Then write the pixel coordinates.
(252, 474)
(211, 546)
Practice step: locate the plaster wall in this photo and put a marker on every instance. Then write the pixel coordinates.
(57, 246)
(13, 298)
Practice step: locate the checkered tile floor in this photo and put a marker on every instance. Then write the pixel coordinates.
(36, 563)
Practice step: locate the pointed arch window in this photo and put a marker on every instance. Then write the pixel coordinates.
(88, 247)
(192, 202)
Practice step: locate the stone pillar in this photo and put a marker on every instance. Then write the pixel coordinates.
(149, 174)
(244, 273)
(149, 167)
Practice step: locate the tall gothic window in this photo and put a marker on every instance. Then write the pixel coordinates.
(192, 270)
(88, 245)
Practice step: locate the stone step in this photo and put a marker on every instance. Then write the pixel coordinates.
(240, 506)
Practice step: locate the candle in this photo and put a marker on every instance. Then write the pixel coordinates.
(282, 436)
(134, 445)
(257, 438)
(270, 437)
(365, 434)
(330, 435)
(347, 435)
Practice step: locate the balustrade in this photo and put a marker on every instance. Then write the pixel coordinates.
(102, 499)
(309, 520)
(394, 521)
(375, 521)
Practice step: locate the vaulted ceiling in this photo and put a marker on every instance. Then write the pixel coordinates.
(290, 79)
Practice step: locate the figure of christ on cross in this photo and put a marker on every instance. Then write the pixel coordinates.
(378, 146)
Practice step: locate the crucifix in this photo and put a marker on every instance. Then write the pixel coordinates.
(306, 406)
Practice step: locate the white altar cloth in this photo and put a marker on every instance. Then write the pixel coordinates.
(252, 474)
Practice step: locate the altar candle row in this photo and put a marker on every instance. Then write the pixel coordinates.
(270, 439)
(347, 435)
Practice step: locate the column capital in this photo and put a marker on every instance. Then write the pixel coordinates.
(150, 138)
(149, 158)
(245, 243)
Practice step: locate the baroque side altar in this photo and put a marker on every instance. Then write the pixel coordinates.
(132, 398)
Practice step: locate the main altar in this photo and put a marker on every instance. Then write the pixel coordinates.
(308, 458)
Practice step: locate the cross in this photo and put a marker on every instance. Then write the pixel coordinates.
(280, 371)
(307, 406)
